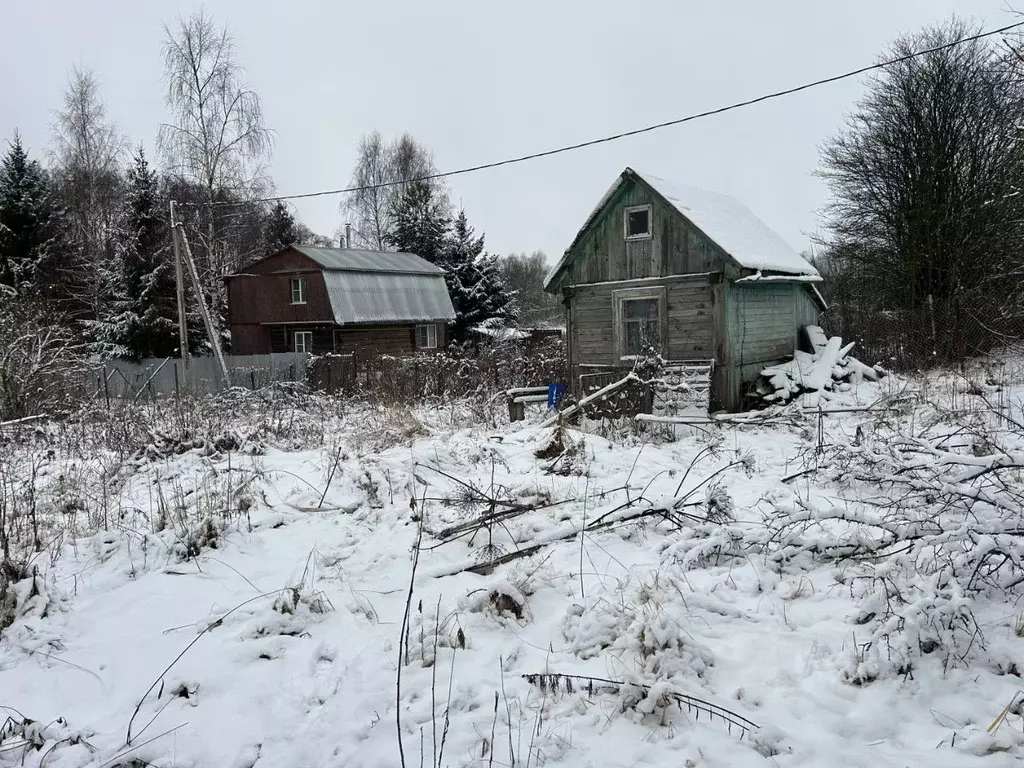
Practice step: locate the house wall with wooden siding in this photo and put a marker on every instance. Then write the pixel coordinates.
(676, 247)
(808, 311)
(763, 322)
(282, 337)
(690, 308)
(375, 341)
(262, 298)
(249, 339)
(364, 342)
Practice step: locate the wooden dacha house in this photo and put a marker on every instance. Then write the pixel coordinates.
(663, 269)
(339, 300)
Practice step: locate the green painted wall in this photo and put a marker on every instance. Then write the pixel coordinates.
(762, 322)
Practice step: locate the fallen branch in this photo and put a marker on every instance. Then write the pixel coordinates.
(555, 683)
(591, 398)
(23, 420)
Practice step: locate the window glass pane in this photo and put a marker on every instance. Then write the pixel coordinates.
(641, 336)
(640, 308)
(634, 340)
(652, 334)
(637, 222)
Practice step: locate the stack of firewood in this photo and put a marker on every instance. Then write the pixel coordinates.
(817, 374)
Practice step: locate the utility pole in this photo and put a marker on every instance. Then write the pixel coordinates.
(179, 284)
(207, 321)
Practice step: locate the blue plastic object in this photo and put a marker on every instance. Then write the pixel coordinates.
(556, 392)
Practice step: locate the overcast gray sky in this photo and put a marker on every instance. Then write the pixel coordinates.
(478, 81)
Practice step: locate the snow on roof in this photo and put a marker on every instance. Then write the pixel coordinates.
(747, 239)
(751, 242)
(758, 277)
(357, 260)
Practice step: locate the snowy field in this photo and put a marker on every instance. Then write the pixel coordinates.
(302, 583)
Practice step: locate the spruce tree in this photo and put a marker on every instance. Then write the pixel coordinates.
(142, 321)
(474, 279)
(279, 229)
(28, 220)
(421, 223)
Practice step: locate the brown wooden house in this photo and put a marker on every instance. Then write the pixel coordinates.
(690, 274)
(323, 300)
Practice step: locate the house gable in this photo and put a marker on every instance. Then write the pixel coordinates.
(286, 260)
(601, 251)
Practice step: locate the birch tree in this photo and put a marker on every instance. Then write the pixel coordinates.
(382, 176)
(88, 151)
(216, 137)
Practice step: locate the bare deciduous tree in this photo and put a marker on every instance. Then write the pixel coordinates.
(217, 137)
(88, 152)
(524, 275)
(926, 216)
(382, 173)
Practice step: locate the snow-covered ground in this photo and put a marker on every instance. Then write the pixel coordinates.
(244, 603)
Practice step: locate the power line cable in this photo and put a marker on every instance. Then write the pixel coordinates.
(634, 132)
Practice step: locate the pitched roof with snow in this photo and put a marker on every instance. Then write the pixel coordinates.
(731, 225)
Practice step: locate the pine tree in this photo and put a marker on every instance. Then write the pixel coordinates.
(28, 220)
(142, 321)
(280, 229)
(474, 279)
(421, 223)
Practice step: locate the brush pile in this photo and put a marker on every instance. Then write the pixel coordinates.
(816, 374)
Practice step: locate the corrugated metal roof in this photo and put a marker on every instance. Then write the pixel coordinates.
(355, 260)
(388, 297)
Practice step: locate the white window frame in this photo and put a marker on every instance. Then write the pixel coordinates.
(430, 332)
(650, 222)
(619, 298)
(300, 284)
(306, 338)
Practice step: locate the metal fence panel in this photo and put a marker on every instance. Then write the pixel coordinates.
(156, 377)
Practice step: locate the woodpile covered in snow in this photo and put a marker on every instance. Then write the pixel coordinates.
(829, 368)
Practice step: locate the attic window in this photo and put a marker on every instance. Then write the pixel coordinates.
(638, 222)
(298, 290)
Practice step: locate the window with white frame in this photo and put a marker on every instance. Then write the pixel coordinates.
(304, 341)
(426, 337)
(298, 290)
(637, 222)
(640, 316)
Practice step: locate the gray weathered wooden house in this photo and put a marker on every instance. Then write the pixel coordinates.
(691, 274)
